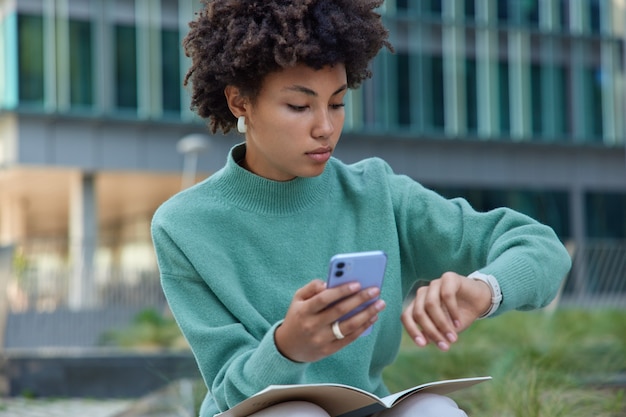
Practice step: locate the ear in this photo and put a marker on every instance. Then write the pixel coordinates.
(237, 103)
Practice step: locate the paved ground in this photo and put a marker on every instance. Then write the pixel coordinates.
(173, 400)
(22, 407)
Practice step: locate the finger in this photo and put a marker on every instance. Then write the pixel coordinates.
(349, 306)
(310, 290)
(361, 321)
(340, 336)
(430, 314)
(450, 286)
(332, 296)
(424, 321)
(411, 326)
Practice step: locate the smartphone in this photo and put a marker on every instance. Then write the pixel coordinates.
(368, 268)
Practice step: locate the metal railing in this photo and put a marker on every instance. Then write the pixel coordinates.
(44, 279)
(39, 307)
(598, 276)
(597, 279)
(38, 293)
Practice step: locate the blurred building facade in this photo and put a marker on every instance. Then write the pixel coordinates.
(516, 103)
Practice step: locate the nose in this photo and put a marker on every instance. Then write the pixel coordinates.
(323, 126)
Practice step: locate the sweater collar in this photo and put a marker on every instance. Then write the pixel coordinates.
(251, 192)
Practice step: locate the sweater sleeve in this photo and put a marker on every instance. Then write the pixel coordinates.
(233, 363)
(439, 235)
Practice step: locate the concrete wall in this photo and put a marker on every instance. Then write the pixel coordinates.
(135, 146)
(93, 375)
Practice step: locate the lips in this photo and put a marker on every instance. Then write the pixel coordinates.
(320, 154)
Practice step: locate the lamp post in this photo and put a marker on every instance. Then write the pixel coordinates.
(191, 146)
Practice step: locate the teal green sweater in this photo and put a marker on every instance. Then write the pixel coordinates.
(233, 249)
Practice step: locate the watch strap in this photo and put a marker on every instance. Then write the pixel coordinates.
(494, 286)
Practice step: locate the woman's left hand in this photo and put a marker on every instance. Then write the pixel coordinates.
(445, 307)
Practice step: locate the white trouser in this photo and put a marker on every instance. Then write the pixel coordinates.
(424, 405)
(420, 405)
(292, 409)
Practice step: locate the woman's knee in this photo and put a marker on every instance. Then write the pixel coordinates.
(292, 409)
(425, 405)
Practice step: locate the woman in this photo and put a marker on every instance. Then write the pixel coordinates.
(239, 252)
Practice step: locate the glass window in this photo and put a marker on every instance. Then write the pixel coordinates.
(537, 102)
(550, 112)
(4, 70)
(593, 83)
(172, 81)
(30, 59)
(435, 6)
(503, 11)
(529, 11)
(432, 6)
(562, 120)
(595, 22)
(424, 74)
(126, 67)
(470, 10)
(402, 4)
(436, 85)
(605, 215)
(471, 95)
(404, 89)
(81, 64)
(564, 14)
(550, 207)
(503, 96)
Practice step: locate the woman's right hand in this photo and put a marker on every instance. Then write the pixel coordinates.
(306, 334)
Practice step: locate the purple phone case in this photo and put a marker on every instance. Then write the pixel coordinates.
(368, 268)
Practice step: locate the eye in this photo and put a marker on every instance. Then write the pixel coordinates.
(337, 106)
(297, 108)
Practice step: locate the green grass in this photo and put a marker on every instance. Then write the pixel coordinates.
(543, 365)
(150, 330)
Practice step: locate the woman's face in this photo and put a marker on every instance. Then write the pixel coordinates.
(295, 122)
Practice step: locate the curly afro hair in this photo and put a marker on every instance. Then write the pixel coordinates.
(239, 42)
